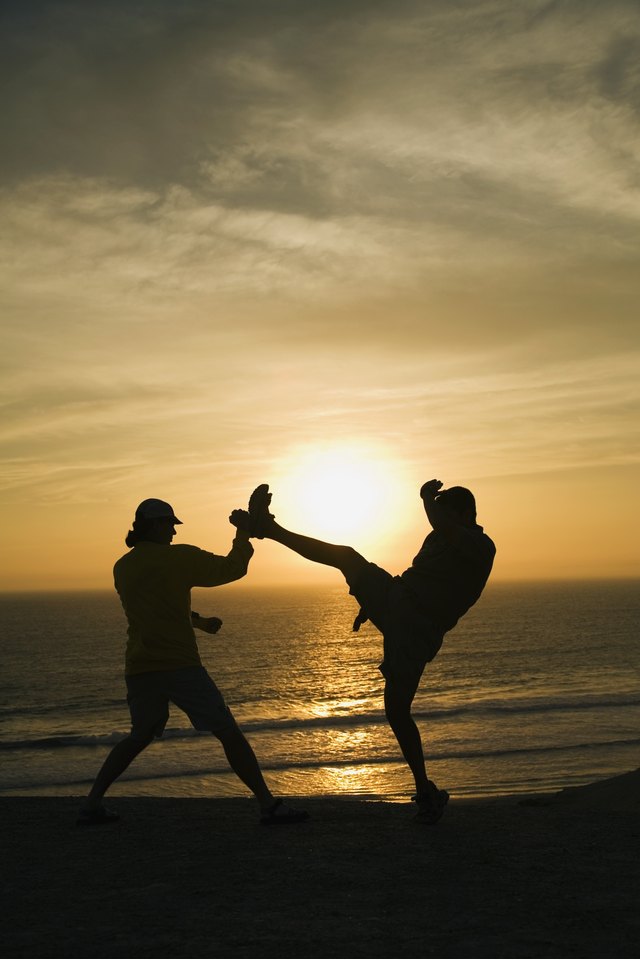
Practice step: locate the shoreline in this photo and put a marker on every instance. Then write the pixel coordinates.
(539, 876)
(222, 784)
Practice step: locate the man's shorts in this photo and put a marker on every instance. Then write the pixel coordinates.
(411, 639)
(190, 688)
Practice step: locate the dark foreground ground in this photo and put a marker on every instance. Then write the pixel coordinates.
(200, 878)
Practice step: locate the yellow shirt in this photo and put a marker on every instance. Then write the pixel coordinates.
(154, 583)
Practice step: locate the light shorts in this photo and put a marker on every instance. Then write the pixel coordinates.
(190, 688)
(410, 638)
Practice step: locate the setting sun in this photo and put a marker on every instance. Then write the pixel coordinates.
(340, 492)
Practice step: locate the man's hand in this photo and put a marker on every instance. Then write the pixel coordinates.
(430, 488)
(206, 624)
(240, 520)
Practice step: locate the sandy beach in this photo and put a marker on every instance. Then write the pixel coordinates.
(556, 876)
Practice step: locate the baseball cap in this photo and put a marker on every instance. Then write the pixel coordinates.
(153, 509)
(458, 498)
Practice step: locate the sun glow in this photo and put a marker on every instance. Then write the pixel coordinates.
(341, 493)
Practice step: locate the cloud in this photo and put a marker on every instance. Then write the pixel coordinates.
(162, 94)
(233, 228)
(481, 422)
(462, 131)
(460, 411)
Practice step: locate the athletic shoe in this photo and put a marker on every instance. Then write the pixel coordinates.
(282, 813)
(431, 804)
(96, 816)
(259, 515)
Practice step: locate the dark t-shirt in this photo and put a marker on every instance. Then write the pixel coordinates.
(447, 578)
(154, 582)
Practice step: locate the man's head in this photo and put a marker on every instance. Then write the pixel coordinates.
(154, 522)
(461, 502)
(153, 509)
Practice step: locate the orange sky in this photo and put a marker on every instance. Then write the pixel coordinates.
(366, 244)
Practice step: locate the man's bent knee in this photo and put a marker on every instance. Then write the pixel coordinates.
(228, 733)
(398, 699)
(139, 740)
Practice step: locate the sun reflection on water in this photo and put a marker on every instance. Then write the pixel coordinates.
(337, 708)
(358, 780)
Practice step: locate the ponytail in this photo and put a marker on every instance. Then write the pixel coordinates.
(138, 532)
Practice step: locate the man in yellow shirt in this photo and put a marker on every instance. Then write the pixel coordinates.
(163, 665)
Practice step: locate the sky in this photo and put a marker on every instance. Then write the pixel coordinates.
(339, 247)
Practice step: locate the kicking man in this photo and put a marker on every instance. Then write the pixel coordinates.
(412, 611)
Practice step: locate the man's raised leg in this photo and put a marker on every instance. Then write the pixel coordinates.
(262, 524)
(343, 558)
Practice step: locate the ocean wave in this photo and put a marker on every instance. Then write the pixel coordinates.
(57, 709)
(472, 712)
(359, 761)
(538, 705)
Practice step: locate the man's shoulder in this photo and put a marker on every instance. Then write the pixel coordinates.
(186, 553)
(482, 539)
(479, 550)
(155, 553)
(486, 539)
(123, 560)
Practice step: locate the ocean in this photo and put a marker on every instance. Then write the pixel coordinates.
(536, 689)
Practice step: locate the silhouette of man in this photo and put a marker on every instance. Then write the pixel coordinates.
(154, 581)
(413, 611)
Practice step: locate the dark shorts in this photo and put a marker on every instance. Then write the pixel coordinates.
(410, 638)
(190, 688)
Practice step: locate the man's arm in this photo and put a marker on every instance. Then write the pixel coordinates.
(441, 519)
(241, 522)
(211, 570)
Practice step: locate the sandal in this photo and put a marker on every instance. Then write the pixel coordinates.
(99, 815)
(281, 813)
